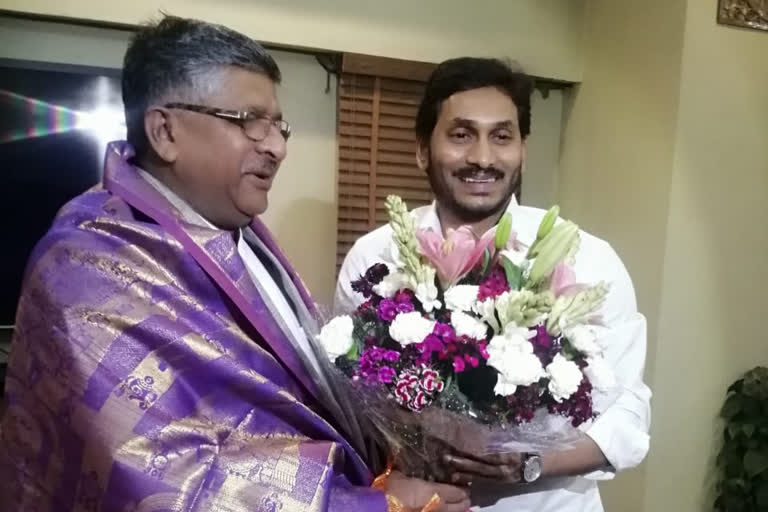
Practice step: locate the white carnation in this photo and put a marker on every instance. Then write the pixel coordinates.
(503, 386)
(518, 335)
(516, 257)
(461, 297)
(408, 328)
(336, 336)
(584, 339)
(511, 354)
(564, 378)
(600, 374)
(468, 325)
(391, 284)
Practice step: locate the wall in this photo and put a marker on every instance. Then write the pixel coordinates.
(304, 193)
(543, 34)
(302, 202)
(543, 149)
(618, 146)
(713, 300)
(665, 154)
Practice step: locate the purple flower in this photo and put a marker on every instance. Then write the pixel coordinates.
(458, 365)
(391, 356)
(542, 338)
(387, 310)
(404, 297)
(404, 307)
(386, 374)
(494, 285)
(444, 331)
(373, 276)
(363, 287)
(376, 273)
(433, 344)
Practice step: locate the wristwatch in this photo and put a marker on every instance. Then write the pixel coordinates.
(530, 467)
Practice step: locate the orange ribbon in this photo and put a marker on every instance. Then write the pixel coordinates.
(394, 504)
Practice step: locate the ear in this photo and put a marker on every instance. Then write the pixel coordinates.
(159, 127)
(422, 155)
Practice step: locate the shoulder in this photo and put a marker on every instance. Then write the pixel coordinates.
(377, 246)
(595, 254)
(94, 227)
(595, 261)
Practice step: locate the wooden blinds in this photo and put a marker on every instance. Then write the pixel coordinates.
(377, 145)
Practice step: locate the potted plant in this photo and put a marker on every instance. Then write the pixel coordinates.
(743, 459)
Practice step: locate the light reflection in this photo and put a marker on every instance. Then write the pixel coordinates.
(104, 122)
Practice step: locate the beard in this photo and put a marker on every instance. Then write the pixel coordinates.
(468, 213)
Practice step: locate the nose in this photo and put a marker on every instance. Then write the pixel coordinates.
(274, 144)
(481, 153)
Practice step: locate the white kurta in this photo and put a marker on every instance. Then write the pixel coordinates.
(621, 430)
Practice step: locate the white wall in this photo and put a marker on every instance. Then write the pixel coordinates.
(713, 298)
(302, 210)
(543, 163)
(618, 146)
(545, 35)
(302, 203)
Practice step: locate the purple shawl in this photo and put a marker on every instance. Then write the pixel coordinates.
(147, 374)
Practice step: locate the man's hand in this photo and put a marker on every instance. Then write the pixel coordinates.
(415, 493)
(501, 468)
(582, 458)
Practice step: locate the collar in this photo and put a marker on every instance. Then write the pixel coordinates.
(188, 213)
(428, 218)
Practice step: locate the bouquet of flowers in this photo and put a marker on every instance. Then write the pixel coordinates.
(472, 343)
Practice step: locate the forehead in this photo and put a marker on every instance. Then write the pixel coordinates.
(487, 105)
(243, 89)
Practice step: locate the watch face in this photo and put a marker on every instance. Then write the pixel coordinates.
(532, 469)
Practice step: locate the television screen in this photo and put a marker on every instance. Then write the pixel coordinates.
(55, 121)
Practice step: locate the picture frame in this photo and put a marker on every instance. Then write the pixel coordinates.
(743, 13)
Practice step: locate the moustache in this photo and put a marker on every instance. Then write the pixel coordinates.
(262, 167)
(473, 171)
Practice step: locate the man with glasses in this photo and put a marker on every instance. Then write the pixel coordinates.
(161, 360)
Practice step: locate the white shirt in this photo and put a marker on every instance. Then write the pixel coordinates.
(621, 430)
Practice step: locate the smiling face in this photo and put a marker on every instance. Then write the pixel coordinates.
(475, 155)
(224, 175)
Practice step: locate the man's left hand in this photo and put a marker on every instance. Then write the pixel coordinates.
(501, 468)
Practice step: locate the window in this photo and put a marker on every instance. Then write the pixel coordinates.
(378, 99)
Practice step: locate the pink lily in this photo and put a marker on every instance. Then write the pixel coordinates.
(563, 280)
(454, 256)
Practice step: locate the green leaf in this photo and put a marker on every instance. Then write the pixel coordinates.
(513, 272)
(352, 354)
(736, 484)
(736, 386)
(733, 462)
(486, 261)
(755, 462)
(732, 407)
(751, 407)
(761, 496)
(503, 230)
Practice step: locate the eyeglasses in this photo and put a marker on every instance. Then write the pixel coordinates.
(255, 126)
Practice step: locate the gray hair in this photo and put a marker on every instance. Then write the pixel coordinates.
(179, 59)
